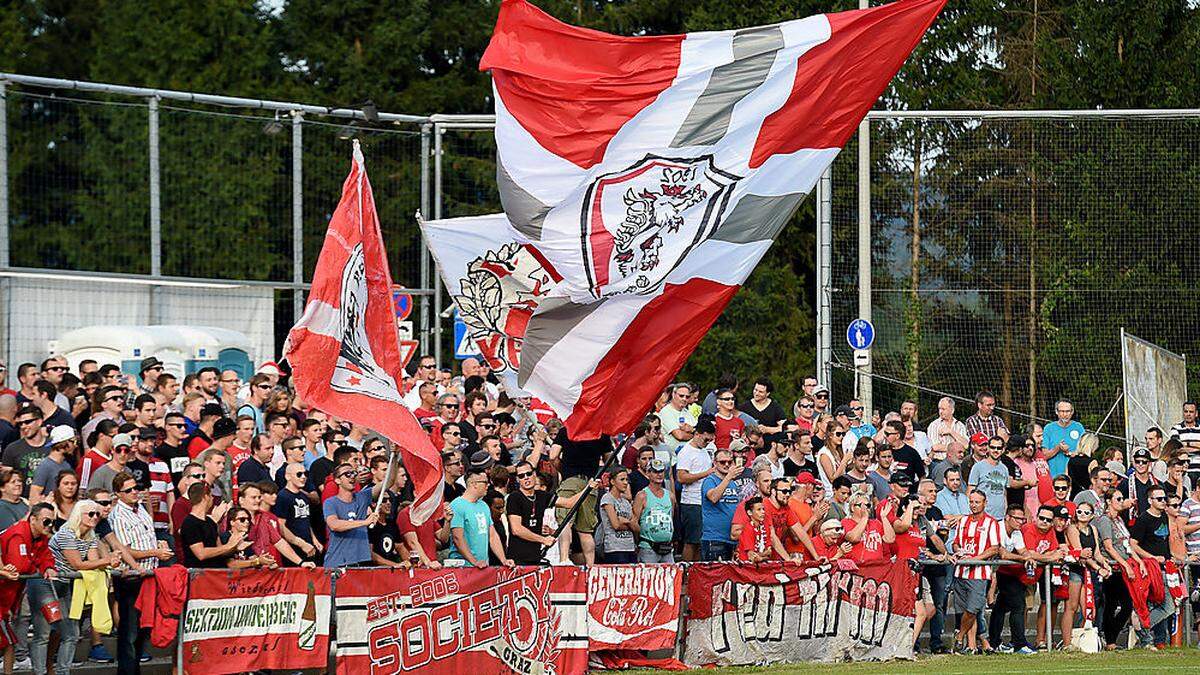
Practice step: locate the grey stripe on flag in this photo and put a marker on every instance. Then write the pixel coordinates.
(753, 54)
(555, 317)
(524, 210)
(756, 218)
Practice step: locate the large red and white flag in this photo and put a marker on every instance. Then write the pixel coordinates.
(344, 351)
(652, 173)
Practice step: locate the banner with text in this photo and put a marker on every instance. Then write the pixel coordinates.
(633, 606)
(788, 613)
(246, 621)
(523, 620)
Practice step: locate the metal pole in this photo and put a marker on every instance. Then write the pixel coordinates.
(1048, 600)
(155, 208)
(864, 245)
(3, 174)
(824, 276)
(425, 281)
(864, 250)
(437, 276)
(297, 213)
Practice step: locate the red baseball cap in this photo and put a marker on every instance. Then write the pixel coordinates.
(979, 439)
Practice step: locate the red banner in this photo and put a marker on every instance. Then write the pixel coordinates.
(633, 606)
(789, 613)
(494, 620)
(245, 621)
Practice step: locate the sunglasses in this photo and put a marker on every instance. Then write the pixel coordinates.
(94, 514)
(104, 502)
(1141, 461)
(1061, 488)
(804, 405)
(58, 369)
(723, 462)
(1044, 519)
(452, 464)
(822, 396)
(1082, 512)
(241, 519)
(128, 490)
(276, 423)
(260, 386)
(1174, 505)
(177, 425)
(451, 433)
(783, 491)
(47, 522)
(487, 426)
(856, 408)
(24, 422)
(449, 405)
(1158, 499)
(996, 447)
(345, 474)
(525, 475)
(724, 398)
(114, 398)
(196, 476)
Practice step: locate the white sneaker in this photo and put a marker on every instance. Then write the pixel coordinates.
(23, 664)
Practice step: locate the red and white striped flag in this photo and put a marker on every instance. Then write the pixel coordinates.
(344, 351)
(653, 173)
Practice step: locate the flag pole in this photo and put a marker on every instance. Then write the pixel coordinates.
(387, 479)
(579, 502)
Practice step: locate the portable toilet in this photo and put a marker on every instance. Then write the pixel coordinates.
(182, 349)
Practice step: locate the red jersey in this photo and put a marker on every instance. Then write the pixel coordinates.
(423, 414)
(92, 459)
(910, 544)
(426, 531)
(237, 455)
(871, 546)
(975, 535)
(826, 550)
(754, 538)
(727, 430)
(1036, 542)
(1056, 503)
(264, 532)
(197, 445)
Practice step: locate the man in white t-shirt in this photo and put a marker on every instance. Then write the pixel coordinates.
(426, 372)
(678, 423)
(692, 465)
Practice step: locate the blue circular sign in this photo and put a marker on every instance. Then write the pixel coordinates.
(402, 302)
(860, 334)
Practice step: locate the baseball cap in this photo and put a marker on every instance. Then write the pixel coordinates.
(842, 410)
(268, 368)
(979, 438)
(1062, 512)
(1141, 453)
(61, 434)
(148, 363)
(481, 461)
(121, 440)
(805, 478)
(820, 389)
(657, 465)
(901, 479)
(737, 445)
(223, 427)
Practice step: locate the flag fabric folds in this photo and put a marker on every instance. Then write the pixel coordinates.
(344, 351)
(653, 173)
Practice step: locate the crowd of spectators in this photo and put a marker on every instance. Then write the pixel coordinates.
(124, 473)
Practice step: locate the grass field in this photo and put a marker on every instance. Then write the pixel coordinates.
(1137, 661)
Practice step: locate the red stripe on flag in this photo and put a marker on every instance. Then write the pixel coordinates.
(654, 354)
(839, 80)
(313, 354)
(573, 88)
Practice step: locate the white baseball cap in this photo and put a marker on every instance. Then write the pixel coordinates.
(61, 434)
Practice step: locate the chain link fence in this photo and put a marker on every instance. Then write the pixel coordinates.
(1008, 252)
(149, 185)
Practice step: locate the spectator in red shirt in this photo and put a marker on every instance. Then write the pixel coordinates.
(869, 536)
(728, 422)
(202, 437)
(758, 541)
(24, 549)
(423, 540)
(428, 408)
(1062, 495)
(831, 543)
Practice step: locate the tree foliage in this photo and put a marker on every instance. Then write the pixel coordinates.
(79, 170)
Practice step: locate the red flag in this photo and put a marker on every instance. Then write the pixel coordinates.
(344, 351)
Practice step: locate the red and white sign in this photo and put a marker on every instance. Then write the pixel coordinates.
(633, 606)
(466, 620)
(344, 350)
(789, 613)
(246, 621)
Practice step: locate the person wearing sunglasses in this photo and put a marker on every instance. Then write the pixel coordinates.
(75, 547)
(348, 516)
(721, 497)
(525, 509)
(24, 550)
(472, 531)
(1083, 537)
(1149, 539)
(1138, 486)
(293, 506)
(727, 419)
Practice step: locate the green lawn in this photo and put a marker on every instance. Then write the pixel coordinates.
(1136, 661)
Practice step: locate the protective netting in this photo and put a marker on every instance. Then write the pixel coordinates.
(1038, 240)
